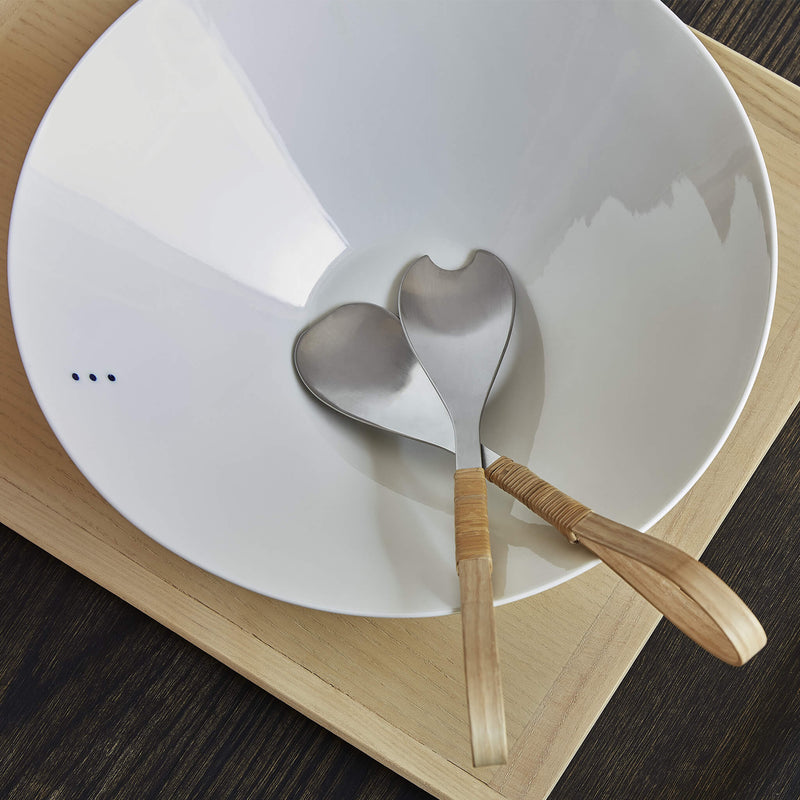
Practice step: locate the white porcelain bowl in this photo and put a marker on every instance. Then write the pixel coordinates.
(215, 175)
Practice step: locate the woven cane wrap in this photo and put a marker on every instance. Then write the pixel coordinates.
(552, 505)
(472, 522)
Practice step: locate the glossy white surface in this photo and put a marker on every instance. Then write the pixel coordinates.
(215, 175)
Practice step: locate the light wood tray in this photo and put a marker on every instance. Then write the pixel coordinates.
(394, 688)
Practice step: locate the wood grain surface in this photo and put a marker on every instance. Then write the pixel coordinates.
(98, 700)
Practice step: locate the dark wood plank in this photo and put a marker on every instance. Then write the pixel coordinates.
(766, 31)
(99, 701)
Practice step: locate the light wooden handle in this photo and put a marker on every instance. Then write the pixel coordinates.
(481, 659)
(685, 591)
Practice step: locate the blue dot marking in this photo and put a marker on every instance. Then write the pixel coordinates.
(92, 377)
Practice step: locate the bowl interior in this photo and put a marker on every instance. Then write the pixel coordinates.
(214, 176)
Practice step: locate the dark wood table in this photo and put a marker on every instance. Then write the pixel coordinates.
(99, 701)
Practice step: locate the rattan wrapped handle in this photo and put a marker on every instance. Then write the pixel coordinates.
(685, 591)
(481, 658)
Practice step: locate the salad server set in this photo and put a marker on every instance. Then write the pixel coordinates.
(426, 375)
